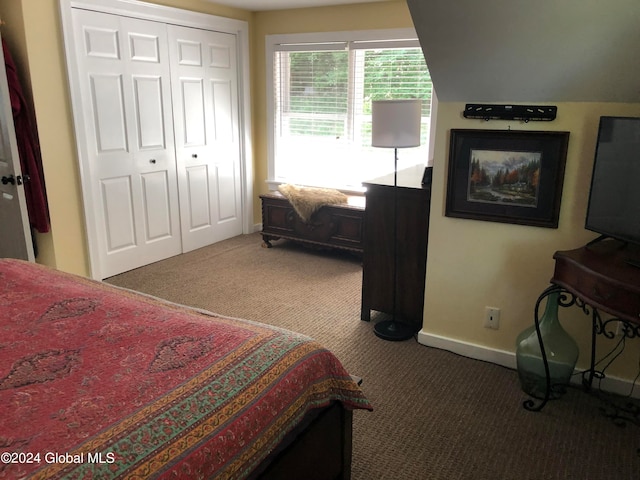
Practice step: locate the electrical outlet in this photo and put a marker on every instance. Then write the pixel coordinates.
(492, 317)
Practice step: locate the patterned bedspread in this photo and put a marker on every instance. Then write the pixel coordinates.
(99, 382)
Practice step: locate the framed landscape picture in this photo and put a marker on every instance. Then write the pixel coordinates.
(506, 176)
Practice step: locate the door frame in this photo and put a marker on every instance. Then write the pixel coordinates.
(170, 15)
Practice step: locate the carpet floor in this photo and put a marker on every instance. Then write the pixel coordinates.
(437, 415)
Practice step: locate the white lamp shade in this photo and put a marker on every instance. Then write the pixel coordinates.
(396, 123)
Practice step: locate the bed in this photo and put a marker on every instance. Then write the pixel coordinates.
(101, 382)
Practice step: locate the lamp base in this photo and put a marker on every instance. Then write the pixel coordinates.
(394, 331)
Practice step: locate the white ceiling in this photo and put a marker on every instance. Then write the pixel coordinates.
(259, 5)
(524, 51)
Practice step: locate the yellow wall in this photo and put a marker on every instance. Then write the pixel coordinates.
(472, 264)
(34, 32)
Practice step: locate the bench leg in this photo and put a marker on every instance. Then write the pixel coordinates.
(266, 240)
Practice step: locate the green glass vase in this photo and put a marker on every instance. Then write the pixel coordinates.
(561, 352)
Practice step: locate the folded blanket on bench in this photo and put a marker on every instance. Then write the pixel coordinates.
(306, 200)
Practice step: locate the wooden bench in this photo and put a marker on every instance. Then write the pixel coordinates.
(334, 226)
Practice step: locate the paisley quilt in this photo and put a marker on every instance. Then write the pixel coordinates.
(101, 382)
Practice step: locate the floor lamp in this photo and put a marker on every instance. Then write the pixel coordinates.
(395, 124)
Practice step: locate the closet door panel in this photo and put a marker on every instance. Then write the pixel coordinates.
(204, 80)
(117, 201)
(223, 111)
(149, 112)
(191, 95)
(228, 205)
(157, 205)
(110, 125)
(125, 81)
(197, 189)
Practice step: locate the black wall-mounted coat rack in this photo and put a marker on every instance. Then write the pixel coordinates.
(510, 112)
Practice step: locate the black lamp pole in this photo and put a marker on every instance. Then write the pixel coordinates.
(393, 329)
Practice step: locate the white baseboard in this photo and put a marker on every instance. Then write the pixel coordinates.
(471, 350)
(508, 359)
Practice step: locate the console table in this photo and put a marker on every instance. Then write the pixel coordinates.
(598, 277)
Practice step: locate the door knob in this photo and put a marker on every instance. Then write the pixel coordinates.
(15, 180)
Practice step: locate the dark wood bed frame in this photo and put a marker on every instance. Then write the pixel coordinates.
(321, 451)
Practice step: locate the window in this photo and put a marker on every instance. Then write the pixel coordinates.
(320, 88)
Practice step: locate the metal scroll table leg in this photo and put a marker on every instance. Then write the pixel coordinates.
(530, 404)
(595, 321)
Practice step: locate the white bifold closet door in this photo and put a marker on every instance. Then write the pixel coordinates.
(205, 93)
(162, 160)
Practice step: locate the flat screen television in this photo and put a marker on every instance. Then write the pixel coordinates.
(614, 198)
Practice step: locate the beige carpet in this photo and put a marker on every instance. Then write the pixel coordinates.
(437, 415)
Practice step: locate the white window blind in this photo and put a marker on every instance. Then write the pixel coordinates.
(322, 95)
